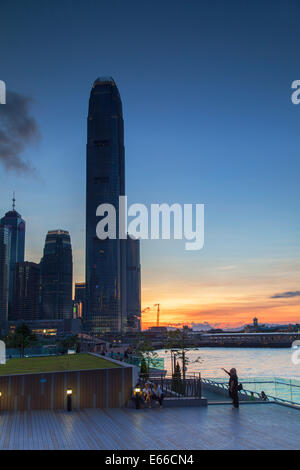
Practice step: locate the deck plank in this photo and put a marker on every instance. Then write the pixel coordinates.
(254, 426)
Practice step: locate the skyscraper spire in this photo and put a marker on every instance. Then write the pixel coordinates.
(14, 221)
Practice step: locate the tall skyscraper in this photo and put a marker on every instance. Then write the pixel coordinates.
(56, 276)
(133, 285)
(105, 182)
(14, 221)
(26, 304)
(5, 239)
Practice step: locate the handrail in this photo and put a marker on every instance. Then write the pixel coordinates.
(245, 392)
(188, 387)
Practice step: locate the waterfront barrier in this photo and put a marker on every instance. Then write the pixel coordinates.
(278, 390)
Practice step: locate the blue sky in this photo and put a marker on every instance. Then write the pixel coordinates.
(206, 89)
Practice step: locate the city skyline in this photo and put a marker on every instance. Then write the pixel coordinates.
(222, 132)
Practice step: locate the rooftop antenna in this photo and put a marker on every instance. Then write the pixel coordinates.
(14, 201)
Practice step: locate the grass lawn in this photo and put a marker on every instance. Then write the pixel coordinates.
(30, 365)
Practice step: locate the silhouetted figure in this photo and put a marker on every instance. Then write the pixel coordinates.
(233, 386)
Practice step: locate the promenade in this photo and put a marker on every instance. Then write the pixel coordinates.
(253, 426)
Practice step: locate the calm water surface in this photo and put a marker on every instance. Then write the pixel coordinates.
(249, 362)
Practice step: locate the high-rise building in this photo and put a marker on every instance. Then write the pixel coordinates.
(80, 298)
(133, 284)
(105, 182)
(5, 239)
(56, 276)
(14, 221)
(26, 298)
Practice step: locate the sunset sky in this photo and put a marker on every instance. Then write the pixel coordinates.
(206, 92)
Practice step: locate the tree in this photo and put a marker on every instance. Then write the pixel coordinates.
(149, 358)
(21, 338)
(144, 371)
(70, 342)
(177, 343)
(177, 383)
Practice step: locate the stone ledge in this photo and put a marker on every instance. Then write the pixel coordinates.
(173, 402)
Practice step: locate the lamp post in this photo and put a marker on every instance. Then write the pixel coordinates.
(69, 399)
(137, 393)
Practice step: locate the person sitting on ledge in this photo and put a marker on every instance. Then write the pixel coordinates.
(147, 393)
(263, 396)
(157, 394)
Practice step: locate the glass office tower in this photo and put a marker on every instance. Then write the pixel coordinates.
(105, 182)
(14, 221)
(56, 276)
(5, 239)
(26, 300)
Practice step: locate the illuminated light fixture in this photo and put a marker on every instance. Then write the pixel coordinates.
(69, 399)
(137, 397)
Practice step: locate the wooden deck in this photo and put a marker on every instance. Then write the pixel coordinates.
(255, 426)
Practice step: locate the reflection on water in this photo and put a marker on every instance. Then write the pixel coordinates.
(249, 362)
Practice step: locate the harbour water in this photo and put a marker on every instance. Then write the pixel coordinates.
(249, 362)
(271, 370)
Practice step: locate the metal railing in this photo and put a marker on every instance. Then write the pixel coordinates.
(171, 387)
(276, 389)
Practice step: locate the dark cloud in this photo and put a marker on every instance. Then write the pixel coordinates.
(18, 129)
(286, 295)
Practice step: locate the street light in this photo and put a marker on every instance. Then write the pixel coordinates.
(137, 393)
(69, 399)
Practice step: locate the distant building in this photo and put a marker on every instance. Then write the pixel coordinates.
(5, 238)
(56, 276)
(133, 285)
(14, 221)
(157, 329)
(26, 298)
(77, 309)
(50, 327)
(80, 293)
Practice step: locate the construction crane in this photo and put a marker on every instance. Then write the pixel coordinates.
(146, 309)
(157, 317)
